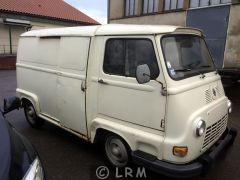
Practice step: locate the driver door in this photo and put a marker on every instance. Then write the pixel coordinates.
(120, 95)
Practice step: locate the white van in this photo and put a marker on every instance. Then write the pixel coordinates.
(151, 94)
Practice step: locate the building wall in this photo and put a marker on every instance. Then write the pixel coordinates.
(232, 51)
(116, 9)
(174, 18)
(7, 62)
(4, 38)
(16, 31)
(117, 14)
(39, 25)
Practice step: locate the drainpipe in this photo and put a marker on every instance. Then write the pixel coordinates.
(108, 11)
(10, 39)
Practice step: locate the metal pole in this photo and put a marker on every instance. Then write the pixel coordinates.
(10, 39)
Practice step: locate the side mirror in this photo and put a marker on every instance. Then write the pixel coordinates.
(11, 104)
(143, 74)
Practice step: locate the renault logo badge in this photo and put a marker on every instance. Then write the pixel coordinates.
(214, 92)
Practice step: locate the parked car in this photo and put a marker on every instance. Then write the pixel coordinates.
(149, 93)
(19, 160)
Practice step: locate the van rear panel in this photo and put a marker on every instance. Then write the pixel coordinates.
(54, 69)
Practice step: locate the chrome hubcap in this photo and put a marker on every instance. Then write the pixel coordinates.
(31, 114)
(116, 152)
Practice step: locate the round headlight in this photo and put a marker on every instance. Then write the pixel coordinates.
(201, 127)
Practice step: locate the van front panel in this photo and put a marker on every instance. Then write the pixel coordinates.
(195, 92)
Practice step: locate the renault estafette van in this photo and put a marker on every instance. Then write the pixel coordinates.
(151, 94)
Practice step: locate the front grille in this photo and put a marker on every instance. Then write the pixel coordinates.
(214, 131)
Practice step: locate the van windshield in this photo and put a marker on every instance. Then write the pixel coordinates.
(186, 56)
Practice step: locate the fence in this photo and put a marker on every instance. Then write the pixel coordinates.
(8, 50)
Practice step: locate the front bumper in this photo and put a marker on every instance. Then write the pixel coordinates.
(199, 167)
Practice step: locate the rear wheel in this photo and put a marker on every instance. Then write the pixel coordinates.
(116, 151)
(31, 116)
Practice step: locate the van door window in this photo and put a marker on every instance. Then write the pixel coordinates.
(114, 62)
(122, 56)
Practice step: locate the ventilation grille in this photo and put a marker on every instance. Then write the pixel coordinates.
(214, 131)
(212, 94)
(219, 92)
(208, 96)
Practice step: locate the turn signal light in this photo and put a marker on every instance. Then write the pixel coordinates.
(180, 151)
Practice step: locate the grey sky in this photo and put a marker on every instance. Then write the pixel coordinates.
(96, 9)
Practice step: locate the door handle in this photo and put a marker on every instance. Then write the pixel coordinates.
(83, 86)
(101, 81)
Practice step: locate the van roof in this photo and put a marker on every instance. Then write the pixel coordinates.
(110, 29)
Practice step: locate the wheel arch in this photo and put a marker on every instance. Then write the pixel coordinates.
(26, 96)
(143, 139)
(102, 132)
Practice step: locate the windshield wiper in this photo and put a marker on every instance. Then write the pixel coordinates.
(183, 70)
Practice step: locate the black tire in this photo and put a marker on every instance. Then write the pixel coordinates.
(32, 117)
(232, 132)
(117, 151)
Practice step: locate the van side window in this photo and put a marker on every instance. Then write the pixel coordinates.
(114, 62)
(122, 56)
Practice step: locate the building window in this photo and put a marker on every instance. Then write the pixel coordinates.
(122, 56)
(204, 3)
(173, 5)
(150, 6)
(131, 7)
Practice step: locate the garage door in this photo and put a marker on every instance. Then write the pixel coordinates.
(214, 23)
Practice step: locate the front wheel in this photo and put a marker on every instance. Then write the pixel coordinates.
(116, 151)
(31, 116)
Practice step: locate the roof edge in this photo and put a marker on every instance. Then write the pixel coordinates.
(112, 29)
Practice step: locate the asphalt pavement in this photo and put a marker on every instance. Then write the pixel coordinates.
(66, 157)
